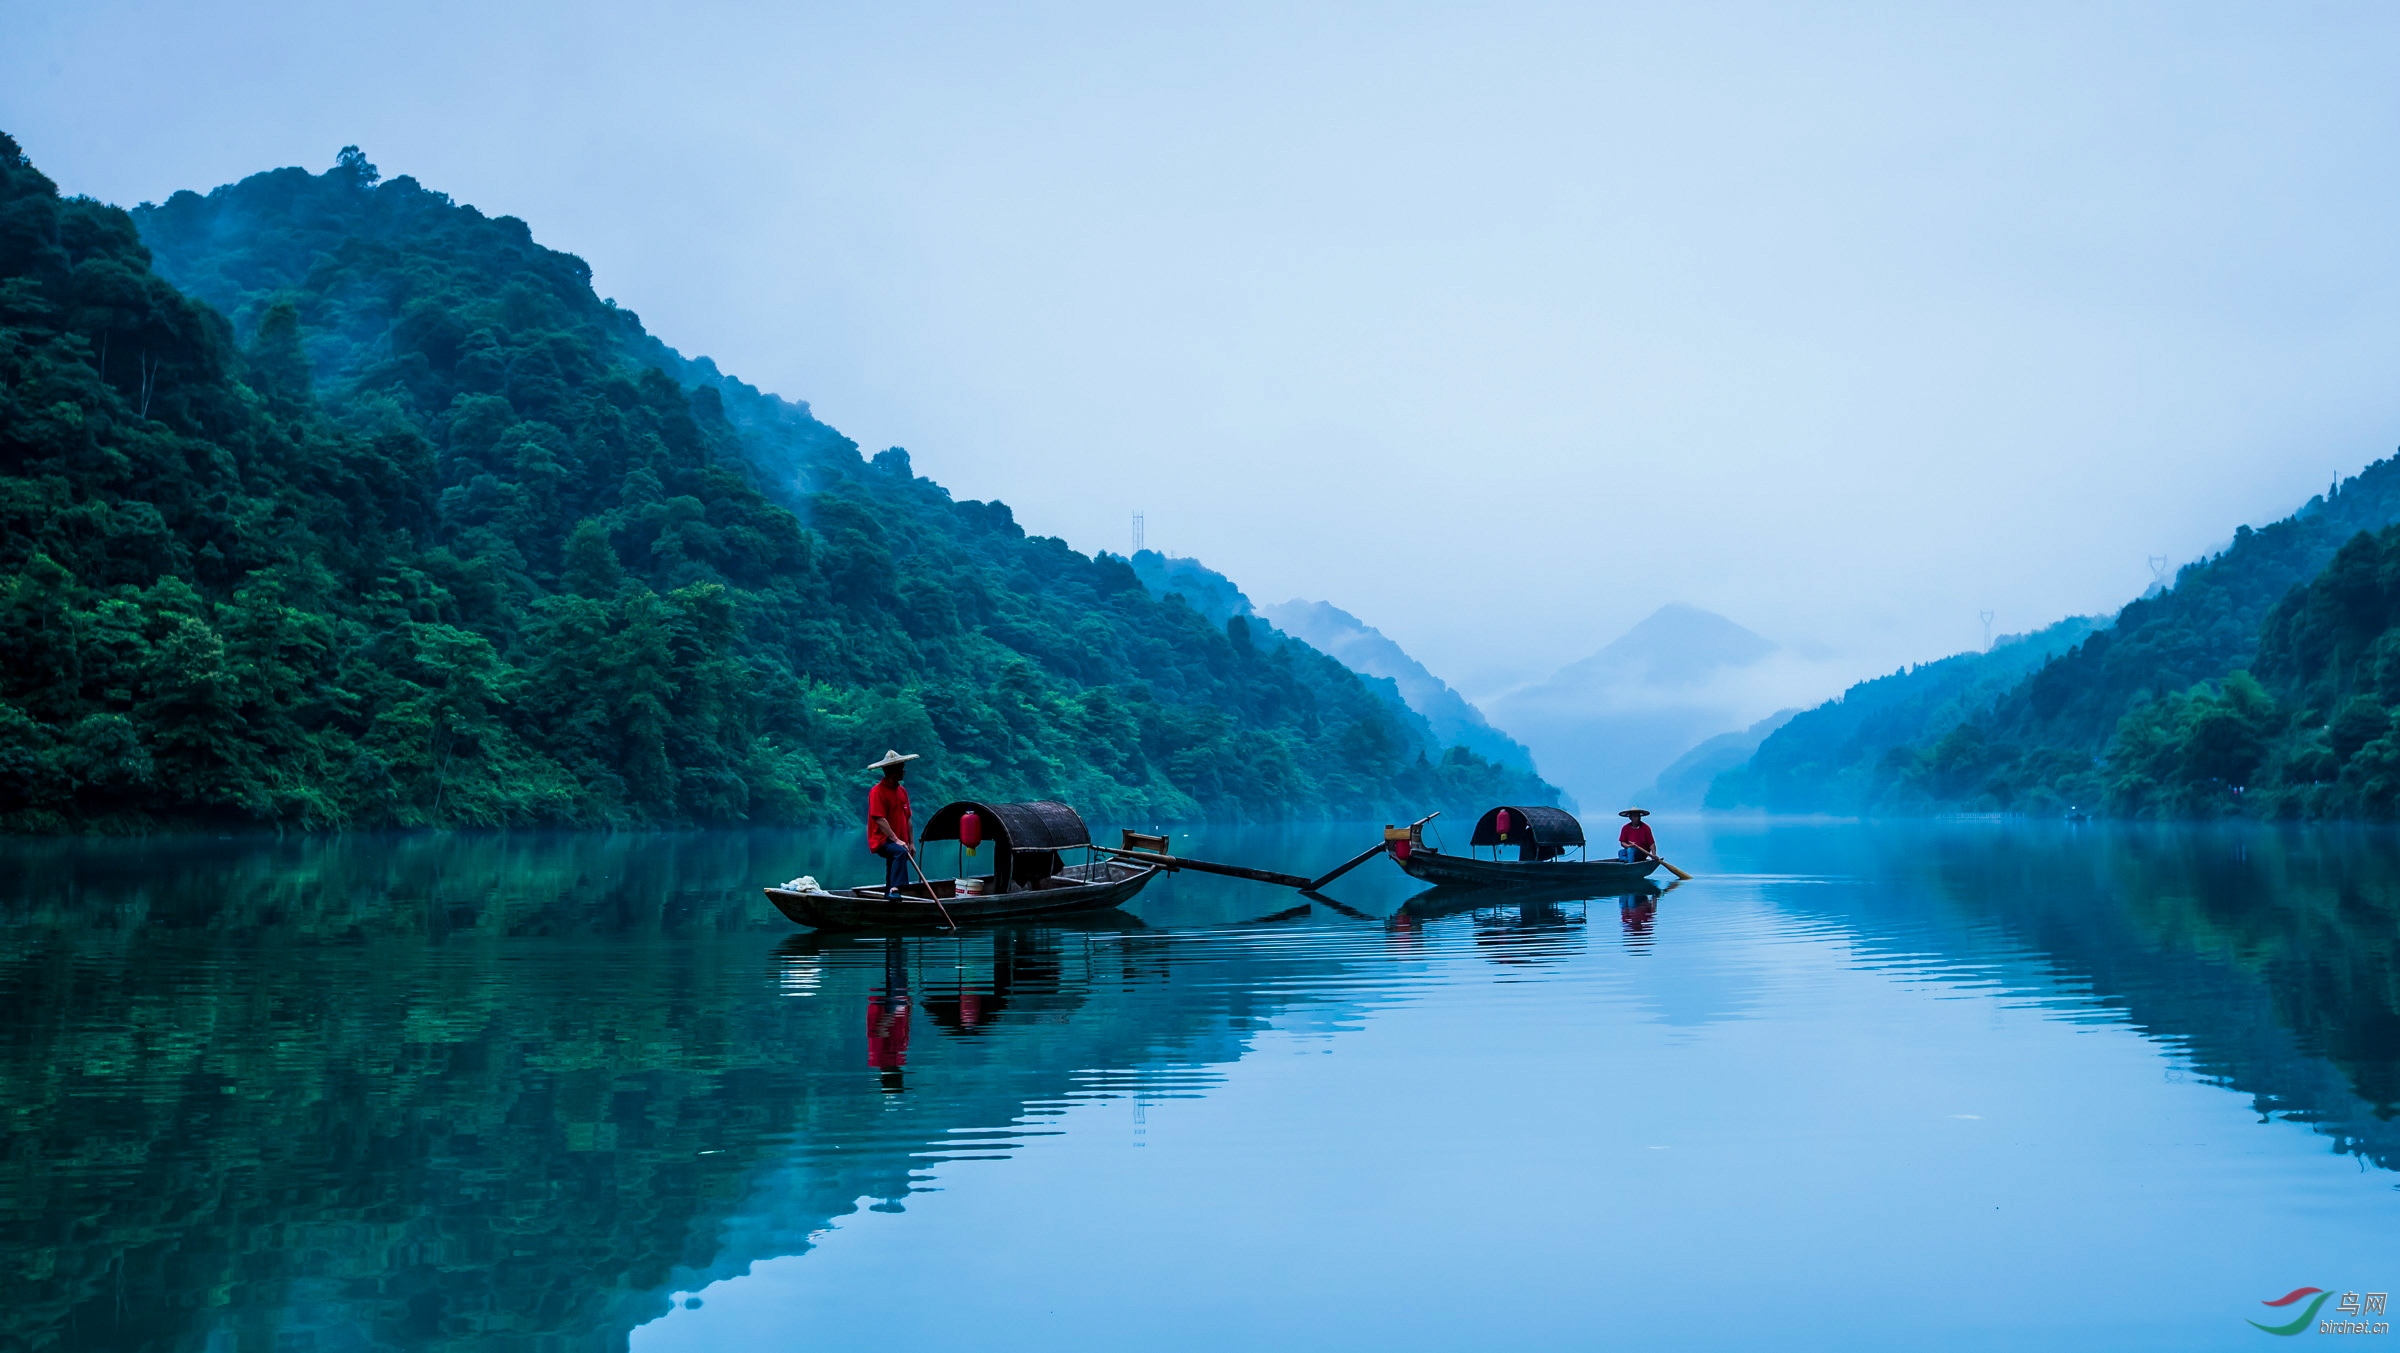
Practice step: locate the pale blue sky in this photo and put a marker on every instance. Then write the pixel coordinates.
(1498, 327)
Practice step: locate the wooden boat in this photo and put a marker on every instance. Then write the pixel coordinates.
(1541, 837)
(1448, 899)
(1029, 879)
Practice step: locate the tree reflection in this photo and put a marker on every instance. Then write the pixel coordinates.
(2269, 956)
(492, 1091)
(499, 1091)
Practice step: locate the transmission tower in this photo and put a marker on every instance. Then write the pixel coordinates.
(1986, 617)
(1137, 533)
(2158, 572)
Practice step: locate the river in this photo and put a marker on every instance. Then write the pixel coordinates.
(1959, 1085)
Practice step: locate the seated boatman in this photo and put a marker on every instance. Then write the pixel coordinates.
(1635, 842)
(887, 821)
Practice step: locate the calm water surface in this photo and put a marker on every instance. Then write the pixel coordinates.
(1959, 1086)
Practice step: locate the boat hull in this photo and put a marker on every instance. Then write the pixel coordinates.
(1555, 878)
(1082, 888)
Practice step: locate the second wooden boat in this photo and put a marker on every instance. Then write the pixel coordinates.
(1539, 836)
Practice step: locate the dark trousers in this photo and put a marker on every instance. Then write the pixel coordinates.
(895, 865)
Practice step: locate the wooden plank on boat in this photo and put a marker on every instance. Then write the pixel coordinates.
(1390, 834)
(1208, 867)
(1346, 866)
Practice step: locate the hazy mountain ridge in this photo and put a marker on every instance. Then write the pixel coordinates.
(1609, 724)
(1439, 725)
(1684, 785)
(1363, 648)
(1202, 588)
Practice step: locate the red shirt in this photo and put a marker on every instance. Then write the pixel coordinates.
(887, 800)
(1637, 833)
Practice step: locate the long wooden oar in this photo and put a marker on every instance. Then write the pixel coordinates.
(1361, 858)
(1172, 862)
(1679, 874)
(1343, 907)
(1345, 866)
(937, 897)
(1287, 914)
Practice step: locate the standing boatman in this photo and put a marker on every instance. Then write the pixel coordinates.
(1636, 842)
(887, 821)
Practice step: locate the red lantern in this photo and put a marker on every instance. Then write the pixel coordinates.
(970, 830)
(1500, 822)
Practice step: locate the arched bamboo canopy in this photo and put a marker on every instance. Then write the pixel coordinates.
(1043, 824)
(1553, 829)
(1027, 836)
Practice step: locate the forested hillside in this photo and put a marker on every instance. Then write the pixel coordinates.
(2055, 738)
(2311, 734)
(1204, 589)
(384, 517)
(1850, 755)
(2254, 685)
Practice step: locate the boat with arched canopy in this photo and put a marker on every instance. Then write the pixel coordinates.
(1030, 877)
(1540, 836)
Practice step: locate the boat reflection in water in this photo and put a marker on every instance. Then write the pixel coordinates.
(967, 982)
(1529, 925)
(1636, 912)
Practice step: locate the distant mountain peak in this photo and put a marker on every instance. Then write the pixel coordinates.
(1606, 725)
(1677, 645)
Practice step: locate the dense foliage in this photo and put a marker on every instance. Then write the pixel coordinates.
(2253, 685)
(2132, 720)
(2310, 735)
(428, 533)
(1851, 754)
(1202, 588)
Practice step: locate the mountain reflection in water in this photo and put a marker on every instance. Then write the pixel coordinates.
(497, 1091)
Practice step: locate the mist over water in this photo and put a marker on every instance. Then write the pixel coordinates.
(2000, 1085)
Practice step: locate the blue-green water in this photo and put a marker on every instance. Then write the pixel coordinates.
(1966, 1085)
